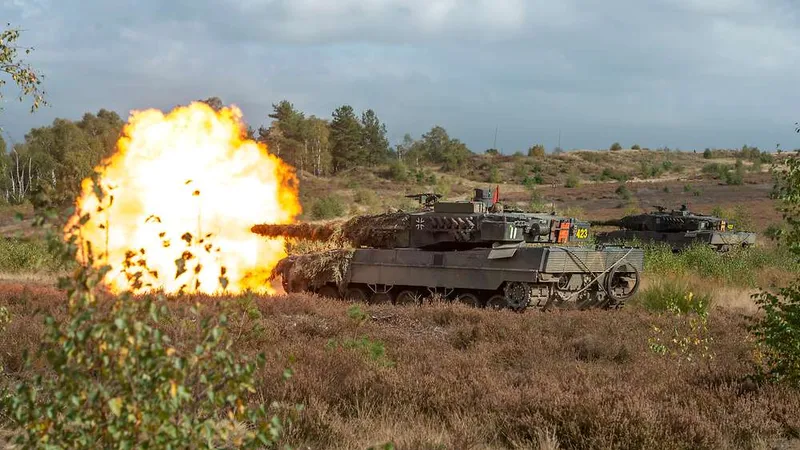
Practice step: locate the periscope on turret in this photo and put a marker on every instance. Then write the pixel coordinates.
(477, 252)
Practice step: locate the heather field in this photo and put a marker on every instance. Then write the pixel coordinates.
(447, 376)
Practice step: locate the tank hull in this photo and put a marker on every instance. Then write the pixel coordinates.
(515, 277)
(719, 240)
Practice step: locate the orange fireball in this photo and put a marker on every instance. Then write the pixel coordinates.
(181, 193)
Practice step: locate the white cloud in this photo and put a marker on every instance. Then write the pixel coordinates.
(684, 72)
(26, 8)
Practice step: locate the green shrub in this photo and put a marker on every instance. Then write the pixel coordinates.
(520, 170)
(373, 350)
(20, 255)
(494, 175)
(327, 207)
(648, 170)
(774, 231)
(532, 181)
(725, 172)
(778, 330)
(118, 383)
(536, 202)
(615, 147)
(735, 176)
(623, 192)
(537, 151)
(707, 153)
(366, 197)
(712, 169)
(778, 333)
(739, 267)
(609, 174)
(674, 295)
(687, 335)
(635, 147)
(398, 171)
(443, 187)
(572, 180)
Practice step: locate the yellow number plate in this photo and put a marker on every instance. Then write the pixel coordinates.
(581, 233)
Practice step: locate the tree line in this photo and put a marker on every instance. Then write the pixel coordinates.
(349, 140)
(52, 160)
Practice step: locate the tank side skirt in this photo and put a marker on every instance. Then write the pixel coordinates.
(481, 275)
(479, 278)
(682, 238)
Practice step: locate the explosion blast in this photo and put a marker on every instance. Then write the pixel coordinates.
(181, 192)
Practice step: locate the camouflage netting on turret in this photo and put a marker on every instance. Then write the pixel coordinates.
(300, 272)
(378, 230)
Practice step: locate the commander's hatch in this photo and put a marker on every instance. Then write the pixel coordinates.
(502, 251)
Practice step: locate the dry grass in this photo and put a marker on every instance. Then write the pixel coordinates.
(464, 378)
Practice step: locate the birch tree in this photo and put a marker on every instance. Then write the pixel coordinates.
(22, 74)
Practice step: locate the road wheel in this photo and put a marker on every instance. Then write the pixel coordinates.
(407, 297)
(497, 302)
(356, 294)
(380, 298)
(518, 295)
(469, 299)
(329, 291)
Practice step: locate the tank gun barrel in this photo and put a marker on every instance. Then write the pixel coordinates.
(313, 232)
(380, 230)
(607, 223)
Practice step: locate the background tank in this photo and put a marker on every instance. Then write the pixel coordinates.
(453, 225)
(471, 251)
(678, 228)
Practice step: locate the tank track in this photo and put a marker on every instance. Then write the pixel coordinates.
(514, 296)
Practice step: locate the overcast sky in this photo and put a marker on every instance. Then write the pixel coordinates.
(681, 73)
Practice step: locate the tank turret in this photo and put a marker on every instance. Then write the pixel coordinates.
(442, 225)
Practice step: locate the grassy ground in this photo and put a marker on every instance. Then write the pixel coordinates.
(445, 376)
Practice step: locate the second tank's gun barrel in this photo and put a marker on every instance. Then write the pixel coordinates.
(607, 223)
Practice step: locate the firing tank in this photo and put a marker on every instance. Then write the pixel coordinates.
(458, 225)
(677, 228)
(476, 252)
